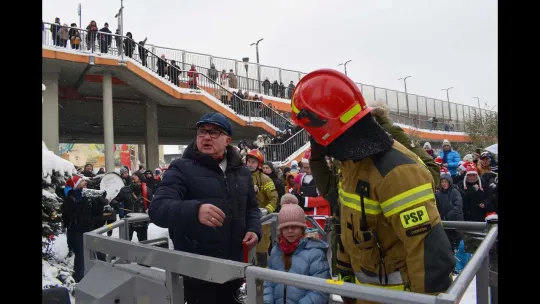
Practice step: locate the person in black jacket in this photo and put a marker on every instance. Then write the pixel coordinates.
(268, 169)
(174, 72)
(105, 40)
(162, 66)
(143, 52)
(450, 206)
(475, 205)
(151, 181)
(275, 88)
(212, 72)
(266, 86)
(207, 200)
(129, 45)
(79, 212)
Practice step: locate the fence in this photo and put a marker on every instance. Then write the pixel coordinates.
(168, 288)
(238, 77)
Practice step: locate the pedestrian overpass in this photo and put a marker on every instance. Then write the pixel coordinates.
(95, 97)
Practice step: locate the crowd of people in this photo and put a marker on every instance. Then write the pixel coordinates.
(466, 190)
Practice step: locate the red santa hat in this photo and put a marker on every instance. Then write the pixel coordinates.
(471, 170)
(74, 181)
(439, 160)
(444, 171)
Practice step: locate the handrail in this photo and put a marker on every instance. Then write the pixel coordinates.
(280, 152)
(220, 271)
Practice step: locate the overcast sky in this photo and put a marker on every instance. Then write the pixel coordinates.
(439, 43)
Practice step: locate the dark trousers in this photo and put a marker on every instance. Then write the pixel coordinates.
(78, 250)
(142, 232)
(196, 291)
(70, 236)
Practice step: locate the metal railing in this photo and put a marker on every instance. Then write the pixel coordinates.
(281, 152)
(398, 102)
(108, 43)
(177, 265)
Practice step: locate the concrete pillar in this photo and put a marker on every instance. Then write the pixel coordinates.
(161, 153)
(151, 140)
(50, 125)
(108, 122)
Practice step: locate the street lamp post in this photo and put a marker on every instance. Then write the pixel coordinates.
(345, 65)
(246, 65)
(258, 66)
(479, 107)
(448, 100)
(406, 94)
(120, 17)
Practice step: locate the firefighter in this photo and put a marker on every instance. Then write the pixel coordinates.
(267, 198)
(391, 231)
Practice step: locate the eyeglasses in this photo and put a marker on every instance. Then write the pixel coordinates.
(213, 133)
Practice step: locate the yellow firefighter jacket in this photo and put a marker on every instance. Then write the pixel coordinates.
(267, 195)
(398, 242)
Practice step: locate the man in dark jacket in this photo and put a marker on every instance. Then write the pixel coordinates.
(450, 206)
(79, 212)
(104, 39)
(208, 202)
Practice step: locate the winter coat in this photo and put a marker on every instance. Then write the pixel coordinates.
(267, 194)
(472, 198)
(79, 212)
(400, 208)
(449, 203)
(162, 66)
(266, 84)
(452, 159)
(174, 72)
(104, 37)
(275, 88)
(223, 82)
(55, 27)
(197, 179)
(309, 259)
(291, 89)
(92, 33)
(232, 80)
(63, 33)
(73, 35)
(213, 73)
(193, 75)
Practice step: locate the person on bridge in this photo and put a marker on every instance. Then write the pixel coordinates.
(391, 235)
(266, 196)
(207, 200)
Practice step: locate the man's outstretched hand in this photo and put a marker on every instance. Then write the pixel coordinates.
(251, 240)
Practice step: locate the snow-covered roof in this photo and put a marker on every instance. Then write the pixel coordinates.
(51, 162)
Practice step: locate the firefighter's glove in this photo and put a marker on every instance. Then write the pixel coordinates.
(318, 151)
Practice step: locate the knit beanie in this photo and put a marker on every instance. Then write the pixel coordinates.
(291, 215)
(288, 198)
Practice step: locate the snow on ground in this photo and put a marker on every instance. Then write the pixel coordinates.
(59, 266)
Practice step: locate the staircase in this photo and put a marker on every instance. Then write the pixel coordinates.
(248, 110)
(281, 154)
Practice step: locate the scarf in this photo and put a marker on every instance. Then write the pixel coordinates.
(286, 247)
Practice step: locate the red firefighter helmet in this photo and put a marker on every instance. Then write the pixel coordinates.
(257, 155)
(327, 103)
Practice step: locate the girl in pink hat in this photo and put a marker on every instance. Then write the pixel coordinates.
(296, 254)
